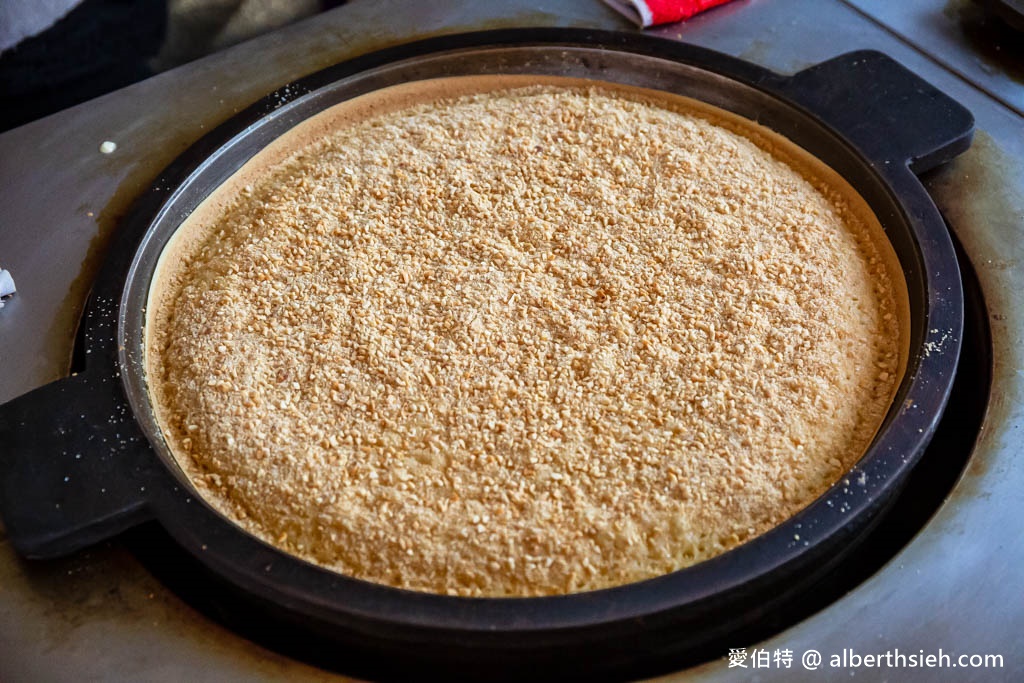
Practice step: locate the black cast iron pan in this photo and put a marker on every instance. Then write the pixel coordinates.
(82, 458)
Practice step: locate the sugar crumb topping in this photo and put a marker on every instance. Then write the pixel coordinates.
(527, 342)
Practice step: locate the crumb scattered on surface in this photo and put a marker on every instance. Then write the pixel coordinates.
(529, 342)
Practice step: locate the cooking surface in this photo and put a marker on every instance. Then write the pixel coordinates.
(101, 615)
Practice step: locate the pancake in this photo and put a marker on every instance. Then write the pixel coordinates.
(520, 335)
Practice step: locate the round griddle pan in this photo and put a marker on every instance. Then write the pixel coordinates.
(82, 459)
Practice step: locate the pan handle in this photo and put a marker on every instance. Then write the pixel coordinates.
(73, 467)
(890, 113)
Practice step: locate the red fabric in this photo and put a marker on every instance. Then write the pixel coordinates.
(668, 11)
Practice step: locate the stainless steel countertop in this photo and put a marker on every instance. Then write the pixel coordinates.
(100, 616)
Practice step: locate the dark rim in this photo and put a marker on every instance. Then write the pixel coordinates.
(316, 592)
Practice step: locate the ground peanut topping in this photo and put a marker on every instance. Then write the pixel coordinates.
(531, 341)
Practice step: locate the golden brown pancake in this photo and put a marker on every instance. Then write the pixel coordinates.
(511, 336)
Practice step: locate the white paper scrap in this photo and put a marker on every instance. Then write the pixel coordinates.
(6, 286)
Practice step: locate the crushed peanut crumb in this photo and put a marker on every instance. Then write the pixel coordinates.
(528, 341)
